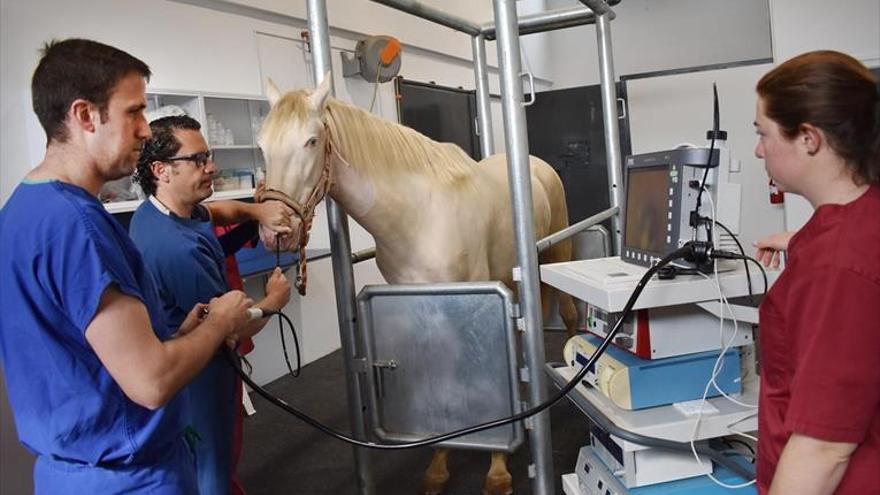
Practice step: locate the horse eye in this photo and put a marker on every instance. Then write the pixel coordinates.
(311, 142)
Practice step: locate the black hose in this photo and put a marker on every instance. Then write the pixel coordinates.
(686, 250)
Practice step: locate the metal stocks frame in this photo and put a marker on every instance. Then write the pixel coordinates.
(506, 29)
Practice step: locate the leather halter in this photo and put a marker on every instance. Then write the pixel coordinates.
(305, 211)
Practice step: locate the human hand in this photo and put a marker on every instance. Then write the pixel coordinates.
(278, 289)
(770, 247)
(229, 312)
(273, 241)
(192, 320)
(275, 216)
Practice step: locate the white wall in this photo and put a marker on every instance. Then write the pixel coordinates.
(650, 36)
(372, 18)
(852, 26)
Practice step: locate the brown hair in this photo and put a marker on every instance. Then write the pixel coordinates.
(77, 68)
(835, 93)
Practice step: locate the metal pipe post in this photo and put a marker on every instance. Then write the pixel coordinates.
(343, 274)
(484, 106)
(546, 21)
(599, 7)
(612, 131)
(517, 147)
(571, 230)
(432, 14)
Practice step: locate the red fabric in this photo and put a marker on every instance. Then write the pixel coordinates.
(245, 345)
(820, 343)
(236, 487)
(233, 279)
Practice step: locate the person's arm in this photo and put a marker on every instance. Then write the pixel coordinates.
(151, 371)
(277, 295)
(770, 247)
(232, 239)
(809, 466)
(275, 215)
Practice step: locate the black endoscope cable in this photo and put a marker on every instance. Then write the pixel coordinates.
(745, 261)
(716, 123)
(683, 252)
(281, 323)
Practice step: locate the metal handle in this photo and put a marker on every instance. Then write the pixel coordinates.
(623, 109)
(531, 87)
(379, 368)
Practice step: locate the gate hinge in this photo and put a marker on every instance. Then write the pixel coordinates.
(514, 311)
(524, 374)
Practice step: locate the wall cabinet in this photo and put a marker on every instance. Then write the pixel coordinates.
(229, 123)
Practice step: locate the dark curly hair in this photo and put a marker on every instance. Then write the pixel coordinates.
(76, 68)
(162, 146)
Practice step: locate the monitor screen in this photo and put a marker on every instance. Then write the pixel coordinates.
(647, 208)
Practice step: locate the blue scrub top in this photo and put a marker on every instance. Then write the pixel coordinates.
(189, 266)
(60, 250)
(184, 256)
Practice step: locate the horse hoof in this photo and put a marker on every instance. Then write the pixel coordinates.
(498, 485)
(434, 485)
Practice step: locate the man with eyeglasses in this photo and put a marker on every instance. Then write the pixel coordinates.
(174, 231)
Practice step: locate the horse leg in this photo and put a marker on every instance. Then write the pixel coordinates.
(568, 312)
(567, 308)
(437, 474)
(498, 480)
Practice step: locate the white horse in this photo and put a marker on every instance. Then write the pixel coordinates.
(436, 214)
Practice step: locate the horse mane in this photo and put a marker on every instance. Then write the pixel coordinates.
(380, 147)
(375, 146)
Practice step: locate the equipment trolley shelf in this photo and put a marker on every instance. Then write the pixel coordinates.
(608, 282)
(666, 422)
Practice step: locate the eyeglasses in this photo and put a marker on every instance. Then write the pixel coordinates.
(200, 159)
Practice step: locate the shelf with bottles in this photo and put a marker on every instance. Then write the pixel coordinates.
(161, 104)
(233, 123)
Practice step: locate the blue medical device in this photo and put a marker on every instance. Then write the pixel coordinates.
(635, 383)
(594, 478)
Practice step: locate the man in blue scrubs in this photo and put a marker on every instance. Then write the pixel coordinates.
(92, 368)
(175, 233)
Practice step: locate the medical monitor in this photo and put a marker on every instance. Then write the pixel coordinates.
(660, 194)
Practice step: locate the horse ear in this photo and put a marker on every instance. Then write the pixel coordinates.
(272, 92)
(318, 98)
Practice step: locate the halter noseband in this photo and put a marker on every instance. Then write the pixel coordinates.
(305, 211)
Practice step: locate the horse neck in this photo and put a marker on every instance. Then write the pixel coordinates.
(385, 172)
(389, 151)
(361, 183)
(348, 123)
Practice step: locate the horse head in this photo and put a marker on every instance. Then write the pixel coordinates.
(296, 146)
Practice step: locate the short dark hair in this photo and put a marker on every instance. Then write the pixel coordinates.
(834, 92)
(162, 146)
(76, 68)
